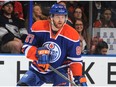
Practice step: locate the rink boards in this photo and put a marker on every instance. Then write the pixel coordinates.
(100, 71)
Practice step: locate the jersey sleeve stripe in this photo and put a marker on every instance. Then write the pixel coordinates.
(39, 30)
(69, 38)
(27, 49)
(24, 46)
(30, 52)
(75, 59)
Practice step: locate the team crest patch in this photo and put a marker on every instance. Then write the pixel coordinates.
(55, 50)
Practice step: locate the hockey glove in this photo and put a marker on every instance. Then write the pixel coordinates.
(80, 80)
(43, 55)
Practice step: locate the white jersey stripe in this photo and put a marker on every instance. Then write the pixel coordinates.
(74, 59)
(27, 49)
(68, 38)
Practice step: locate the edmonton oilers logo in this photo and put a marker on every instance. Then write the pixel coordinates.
(55, 50)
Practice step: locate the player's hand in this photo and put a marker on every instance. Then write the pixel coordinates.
(80, 80)
(43, 67)
(43, 55)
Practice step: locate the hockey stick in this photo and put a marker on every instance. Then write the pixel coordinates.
(60, 74)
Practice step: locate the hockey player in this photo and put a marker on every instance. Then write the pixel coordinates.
(53, 43)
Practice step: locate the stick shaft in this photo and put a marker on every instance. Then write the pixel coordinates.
(60, 74)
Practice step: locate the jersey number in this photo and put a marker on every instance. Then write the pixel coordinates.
(78, 50)
(29, 38)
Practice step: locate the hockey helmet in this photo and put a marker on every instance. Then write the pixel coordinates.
(58, 9)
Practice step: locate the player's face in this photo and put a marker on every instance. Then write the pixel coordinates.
(59, 20)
